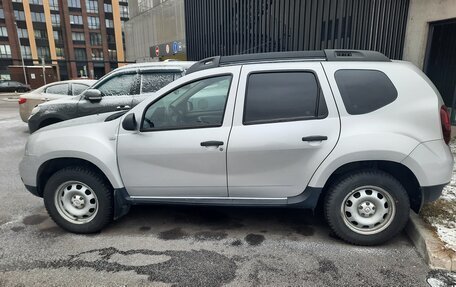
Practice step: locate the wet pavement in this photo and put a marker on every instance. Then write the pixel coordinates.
(185, 246)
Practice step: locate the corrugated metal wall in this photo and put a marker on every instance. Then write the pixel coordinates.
(228, 27)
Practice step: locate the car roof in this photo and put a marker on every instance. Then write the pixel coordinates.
(292, 56)
(158, 65)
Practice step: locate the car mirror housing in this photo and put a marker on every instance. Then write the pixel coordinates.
(129, 122)
(93, 95)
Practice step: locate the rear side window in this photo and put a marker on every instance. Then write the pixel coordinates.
(282, 96)
(364, 91)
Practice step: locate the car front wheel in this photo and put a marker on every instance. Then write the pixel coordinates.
(367, 207)
(79, 200)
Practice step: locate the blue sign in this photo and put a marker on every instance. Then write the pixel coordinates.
(175, 47)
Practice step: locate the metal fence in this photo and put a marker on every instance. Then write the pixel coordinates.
(228, 27)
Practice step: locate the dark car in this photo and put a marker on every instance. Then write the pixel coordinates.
(119, 90)
(13, 86)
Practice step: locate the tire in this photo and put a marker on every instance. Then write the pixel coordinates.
(79, 200)
(367, 207)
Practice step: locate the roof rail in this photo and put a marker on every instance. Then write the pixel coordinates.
(321, 55)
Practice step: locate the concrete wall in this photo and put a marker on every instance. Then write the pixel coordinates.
(421, 12)
(160, 24)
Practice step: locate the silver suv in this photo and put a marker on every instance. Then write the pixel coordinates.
(361, 135)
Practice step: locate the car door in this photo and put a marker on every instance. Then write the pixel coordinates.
(117, 93)
(180, 152)
(285, 124)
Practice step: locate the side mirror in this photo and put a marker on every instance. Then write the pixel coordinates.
(129, 122)
(93, 95)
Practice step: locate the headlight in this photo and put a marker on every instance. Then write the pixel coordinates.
(35, 110)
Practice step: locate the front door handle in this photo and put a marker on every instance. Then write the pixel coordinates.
(212, 143)
(314, 138)
(123, 107)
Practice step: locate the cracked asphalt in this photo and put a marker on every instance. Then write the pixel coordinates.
(185, 246)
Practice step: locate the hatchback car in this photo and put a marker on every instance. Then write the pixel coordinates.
(13, 86)
(50, 92)
(340, 129)
(119, 90)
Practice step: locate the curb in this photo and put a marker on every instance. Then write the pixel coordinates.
(429, 246)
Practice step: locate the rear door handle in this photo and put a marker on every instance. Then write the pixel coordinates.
(314, 138)
(212, 143)
(123, 107)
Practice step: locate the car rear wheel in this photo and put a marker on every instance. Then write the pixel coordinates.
(79, 200)
(367, 207)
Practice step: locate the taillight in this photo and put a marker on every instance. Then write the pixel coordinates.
(446, 125)
(22, 101)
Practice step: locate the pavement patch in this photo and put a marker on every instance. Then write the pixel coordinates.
(17, 229)
(254, 239)
(236, 242)
(34, 219)
(179, 268)
(173, 234)
(210, 235)
(305, 230)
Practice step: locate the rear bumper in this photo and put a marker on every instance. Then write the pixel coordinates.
(431, 193)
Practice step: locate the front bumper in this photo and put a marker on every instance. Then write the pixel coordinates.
(28, 169)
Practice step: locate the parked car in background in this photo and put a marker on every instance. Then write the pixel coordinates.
(49, 92)
(364, 137)
(13, 86)
(121, 89)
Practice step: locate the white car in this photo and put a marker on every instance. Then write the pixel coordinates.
(50, 92)
(362, 135)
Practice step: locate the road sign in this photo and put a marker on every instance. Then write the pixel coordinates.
(175, 47)
(157, 51)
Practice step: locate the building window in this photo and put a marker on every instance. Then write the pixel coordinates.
(108, 8)
(22, 33)
(76, 19)
(126, 1)
(43, 52)
(111, 39)
(60, 53)
(5, 51)
(3, 32)
(40, 34)
(38, 17)
(112, 55)
(74, 3)
(95, 39)
(97, 54)
(5, 77)
(92, 6)
(54, 4)
(26, 52)
(36, 2)
(19, 15)
(55, 19)
(80, 54)
(2, 14)
(94, 22)
(17, 1)
(123, 11)
(78, 36)
(109, 23)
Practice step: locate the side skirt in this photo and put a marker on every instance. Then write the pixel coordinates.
(308, 199)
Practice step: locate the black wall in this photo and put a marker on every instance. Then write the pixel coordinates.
(228, 27)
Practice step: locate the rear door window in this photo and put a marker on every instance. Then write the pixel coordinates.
(283, 96)
(364, 91)
(152, 82)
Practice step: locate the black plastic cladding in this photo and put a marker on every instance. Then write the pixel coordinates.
(323, 55)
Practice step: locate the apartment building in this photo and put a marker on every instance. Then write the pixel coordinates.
(80, 38)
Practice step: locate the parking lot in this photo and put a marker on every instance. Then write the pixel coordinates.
(183, 246)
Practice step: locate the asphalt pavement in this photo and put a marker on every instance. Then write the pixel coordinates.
(184, 246)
